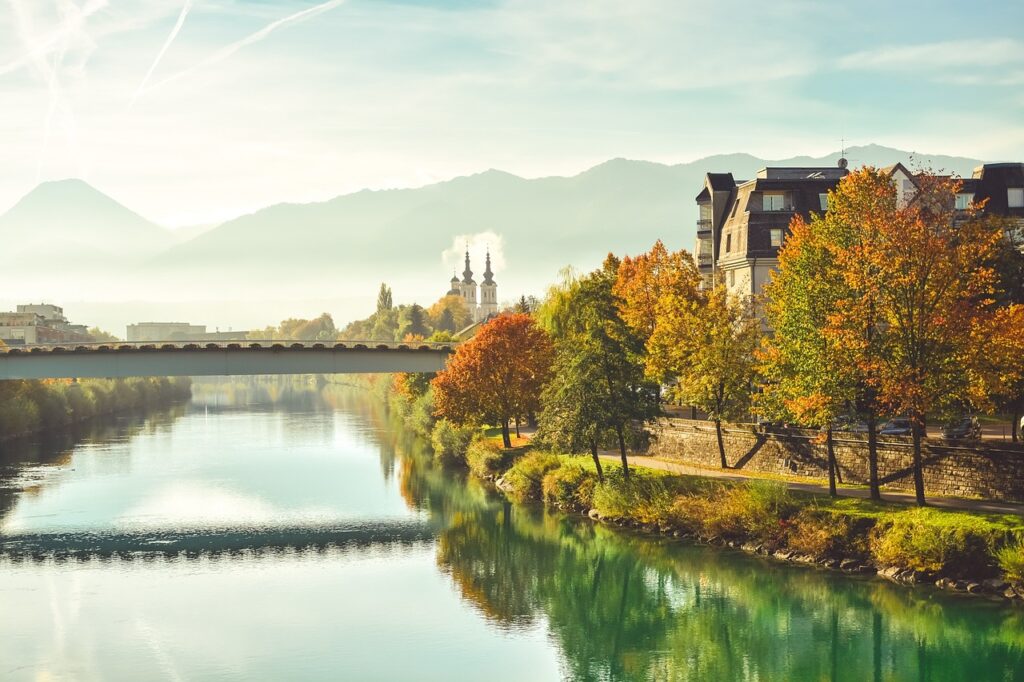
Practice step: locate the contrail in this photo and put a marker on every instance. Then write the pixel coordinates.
(228, 50)
(160, 55)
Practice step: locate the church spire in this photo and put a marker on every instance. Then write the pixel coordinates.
(467, 274)
(488, 275)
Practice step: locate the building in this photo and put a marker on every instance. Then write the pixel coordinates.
(486, 306)
(40, 323)
(742, 224)
(165, 331)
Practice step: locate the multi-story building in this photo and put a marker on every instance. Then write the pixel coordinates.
(39, 323)
(467, 288)
(165, 331)
(742, 224)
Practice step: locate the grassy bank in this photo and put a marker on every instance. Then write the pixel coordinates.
(29, 407)
(965, 551)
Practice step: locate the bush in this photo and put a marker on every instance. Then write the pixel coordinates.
(755, 510)
(644, 497)
(451, 441)
(525, 480)
(1011, 559)
(487, 458)
(570, 486)
(823, 534)
(933, 542)
(421, 414)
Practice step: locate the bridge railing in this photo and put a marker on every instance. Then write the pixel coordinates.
(248, 344)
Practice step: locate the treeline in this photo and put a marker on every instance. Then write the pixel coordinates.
(877, 308)
(28, 407)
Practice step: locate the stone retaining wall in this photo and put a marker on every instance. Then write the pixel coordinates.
(992, 470)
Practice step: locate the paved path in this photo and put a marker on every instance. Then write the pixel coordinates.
(844, 491)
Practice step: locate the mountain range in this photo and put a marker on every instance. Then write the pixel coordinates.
(346, 246)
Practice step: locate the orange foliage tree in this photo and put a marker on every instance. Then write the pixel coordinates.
(924, 284)
(644, 279)
(497, 375)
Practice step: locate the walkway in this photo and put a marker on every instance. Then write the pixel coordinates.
(822, 489)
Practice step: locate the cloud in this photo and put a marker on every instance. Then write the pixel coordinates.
(479, 244)
(955, 54)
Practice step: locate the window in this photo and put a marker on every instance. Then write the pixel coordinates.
(963, 201)
(776, 238)
(823, 201)
(1015, 197)
(773, 202)
(704, 212)
(728, 243)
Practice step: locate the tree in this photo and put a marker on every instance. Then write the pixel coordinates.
(497, 375)
(1004, 358)
(100, 336)
(599, 384)
(706, 344)
(806, 374)
(450, 313)
(384, 301)
(926, 271)
(412, 320)
(642, 281)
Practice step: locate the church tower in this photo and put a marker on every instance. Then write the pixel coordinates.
(488, 293)
(468, 287)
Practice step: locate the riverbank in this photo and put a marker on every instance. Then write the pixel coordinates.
(28, 408)
(963, 551)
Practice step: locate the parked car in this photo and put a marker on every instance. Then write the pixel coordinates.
(962, 428)
(899, 426)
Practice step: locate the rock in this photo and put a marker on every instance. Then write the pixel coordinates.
(848, 565)
(1010, 593)
(974, 588)
(594, 514)
(960, 585)
(891, 573)
(945, 584)
(995, 585)
(749, 547)
(830, 563)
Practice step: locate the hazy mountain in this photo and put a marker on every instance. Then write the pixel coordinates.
(69, 222)
(287, 256)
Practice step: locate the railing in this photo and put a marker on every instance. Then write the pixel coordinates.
(250, 344)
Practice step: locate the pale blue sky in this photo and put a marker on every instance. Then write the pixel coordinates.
(194, 111)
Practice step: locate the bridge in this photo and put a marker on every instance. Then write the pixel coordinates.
(112, 360)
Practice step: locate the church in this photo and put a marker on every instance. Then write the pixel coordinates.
(487, 306)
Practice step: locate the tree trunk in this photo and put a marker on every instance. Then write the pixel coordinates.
(721, 444)
(831, 462)
(622, 451)
(872, 423)
(915, 429)
(597, 461)
(1015, 426)
(505, 439)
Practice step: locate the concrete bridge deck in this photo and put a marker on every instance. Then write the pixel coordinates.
(225, 358)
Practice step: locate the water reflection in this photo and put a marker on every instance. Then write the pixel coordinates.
(309, 537)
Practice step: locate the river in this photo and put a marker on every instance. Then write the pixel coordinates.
(314, 540)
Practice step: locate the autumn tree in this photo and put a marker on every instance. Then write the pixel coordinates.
(705, 342)
(642, 281)
(599, 384)
(806, 374)
(450, 313)
(926, 273)
(1002, 362)
(497, 375)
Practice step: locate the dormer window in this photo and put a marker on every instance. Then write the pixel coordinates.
(1015, 197)
(773, 201)
(823, 201)
(963, 200)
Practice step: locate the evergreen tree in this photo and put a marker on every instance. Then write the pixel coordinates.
(384, 301)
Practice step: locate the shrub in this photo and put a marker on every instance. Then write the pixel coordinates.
(1011, 559)
(570, 486)
(420, 416)
(450, 441)
(487, 458)
(525, 480)
(933, 542)
(756, 510)
(824, 534)
(644, 497)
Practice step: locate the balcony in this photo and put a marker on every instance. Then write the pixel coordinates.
(704, 224)
(704, 260)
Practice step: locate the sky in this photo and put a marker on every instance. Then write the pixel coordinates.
(194, 111)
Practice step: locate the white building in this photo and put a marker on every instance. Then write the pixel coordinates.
(487, 305)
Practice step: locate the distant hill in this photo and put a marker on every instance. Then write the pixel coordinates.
(343, 248)
(68, 222)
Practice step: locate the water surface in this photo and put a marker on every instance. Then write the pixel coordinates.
(313, 539)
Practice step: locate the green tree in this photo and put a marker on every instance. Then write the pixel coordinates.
(384, 301)
(412, 321)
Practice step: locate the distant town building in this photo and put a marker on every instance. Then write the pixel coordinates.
(142, 332)
(39, 323)
(487, 306)
(742, 224)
